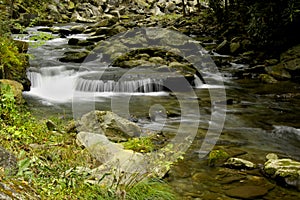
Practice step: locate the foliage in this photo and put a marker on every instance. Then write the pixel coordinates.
(11, 61)
(47, 159)
(40, 38)
(142, 144)
(268, 23)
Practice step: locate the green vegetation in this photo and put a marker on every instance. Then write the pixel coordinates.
(216, 157)
(47, 159)
(12, 63)
(268, 23)
(142, 145)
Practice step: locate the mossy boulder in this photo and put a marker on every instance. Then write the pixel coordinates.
(285, 171)
(16, 88)
(217, 157)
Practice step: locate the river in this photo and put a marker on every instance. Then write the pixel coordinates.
(260, 118)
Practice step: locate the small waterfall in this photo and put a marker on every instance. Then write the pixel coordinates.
(197, 81)
(53, 83)
(35, 79)
(129, 86)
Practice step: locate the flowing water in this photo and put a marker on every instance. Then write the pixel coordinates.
(259, 118)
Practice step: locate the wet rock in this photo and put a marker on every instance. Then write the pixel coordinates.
(76, 57)
(223, 48)
(285, 171)
(266, 78)
(183, 68)
(110, 124)
(96, 38)
(234, 47)
(77, 29)
(73, 41)
(279, 72)
(247, 192)
(239, 163)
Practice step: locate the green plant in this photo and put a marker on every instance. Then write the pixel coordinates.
(142, 144)
(11, 61)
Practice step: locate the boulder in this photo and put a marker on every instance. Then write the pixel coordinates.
(109, 124)
(16, 88)
(279, 72)
(285, 171)
(266, 78)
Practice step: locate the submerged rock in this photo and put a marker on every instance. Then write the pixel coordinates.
(285, 171)
(247, 192)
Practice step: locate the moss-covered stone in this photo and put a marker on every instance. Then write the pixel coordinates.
(286, 171)
(217, 157)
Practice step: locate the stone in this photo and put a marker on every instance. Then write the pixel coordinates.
(76, 57)
(16, 88)
(239, 163)
(266, 78)
(51, 126)
(157, 60)
(77, 29)
(279, 72)
(285, 171)
(109, 124)
(223, 48)
(73, 41)
(247, 192)
(234, 47)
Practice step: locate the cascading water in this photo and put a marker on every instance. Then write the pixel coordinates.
(143, 86)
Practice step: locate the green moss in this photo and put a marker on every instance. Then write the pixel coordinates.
(216, 156)
(142, 145)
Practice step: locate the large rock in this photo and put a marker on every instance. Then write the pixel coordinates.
(285, 171)
(289, 66)
(16, 88)
(109, 124)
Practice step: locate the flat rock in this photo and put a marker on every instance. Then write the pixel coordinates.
(247, 192)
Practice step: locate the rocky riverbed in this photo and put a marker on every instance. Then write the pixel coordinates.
(262, 96)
